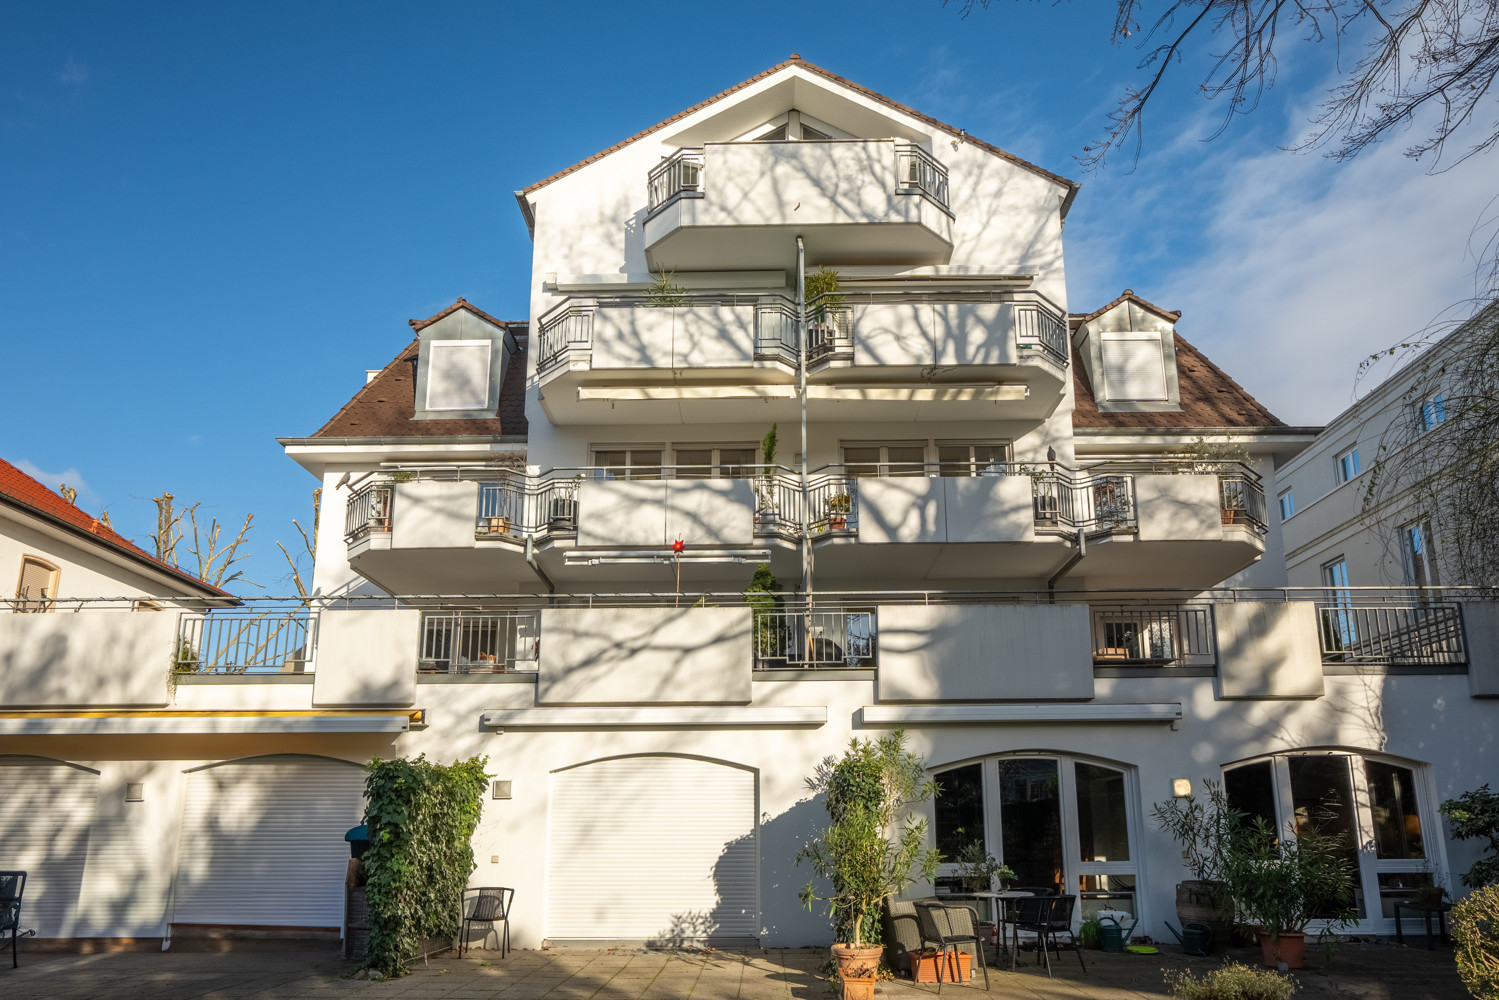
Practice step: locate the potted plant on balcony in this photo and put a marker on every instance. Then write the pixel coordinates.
(1281, 884)
(838, 505)
(864, 853)
(820, 292)
(767, 498)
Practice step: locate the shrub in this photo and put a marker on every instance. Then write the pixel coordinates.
(1232, 981)
(421, 819)
(1475, 937)
(1476, 815)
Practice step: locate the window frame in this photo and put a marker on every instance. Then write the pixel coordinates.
(650, 470)
(716, 463)
(1370, 865)
(432, 354)
(1421, 529)
(1133, 336)
(1287, 503)
(48, 600)
(975, 467)
(1431, 412)
(1347, 460)
(883, 465)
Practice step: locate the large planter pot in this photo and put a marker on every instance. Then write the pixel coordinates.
(1289, 947)
(857, 968)
(1206, 903)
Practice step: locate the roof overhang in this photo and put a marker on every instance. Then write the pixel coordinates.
(316, 454)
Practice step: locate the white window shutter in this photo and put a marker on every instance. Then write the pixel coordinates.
(458, 374)
(1134, 367)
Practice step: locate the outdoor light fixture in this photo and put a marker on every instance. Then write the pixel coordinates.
(500, 789)
(1181, 787)
(135, 791)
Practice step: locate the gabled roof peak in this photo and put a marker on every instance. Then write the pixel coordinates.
(798, 62)
(419, 324)
(1128, 295)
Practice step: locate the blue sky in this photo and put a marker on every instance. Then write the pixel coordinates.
(214, 218)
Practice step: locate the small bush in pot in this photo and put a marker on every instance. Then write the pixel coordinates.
(868, 853)
(1475, 938)
(1281, 884)
(1206, 831)
(977, 869)
(1231, 981)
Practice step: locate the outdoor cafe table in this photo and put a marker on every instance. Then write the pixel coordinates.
(999, 902)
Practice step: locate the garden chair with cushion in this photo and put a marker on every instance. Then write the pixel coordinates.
(902, 930)
(487, 905)
(948, 927)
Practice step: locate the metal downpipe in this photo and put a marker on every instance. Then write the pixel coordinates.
(1073, 560)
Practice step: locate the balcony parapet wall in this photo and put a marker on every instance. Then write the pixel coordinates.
(115, 658)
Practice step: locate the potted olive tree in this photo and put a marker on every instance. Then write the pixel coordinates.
(1206, 833)
(867, 853)
(1282, 884)
(820, 289)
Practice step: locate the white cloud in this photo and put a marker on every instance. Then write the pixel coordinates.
(87, 497)
(74, 74)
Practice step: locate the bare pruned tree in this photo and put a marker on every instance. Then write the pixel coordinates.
(1413, 55)
(1438, 462)
(309, 542)
(214, 558)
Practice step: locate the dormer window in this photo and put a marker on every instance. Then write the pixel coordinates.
(1134, 367)
(458, 374)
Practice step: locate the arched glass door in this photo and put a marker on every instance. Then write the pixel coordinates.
(1059, 822)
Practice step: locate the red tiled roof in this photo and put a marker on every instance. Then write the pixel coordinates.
(1127, 296)
(1209, 398)
(25, 491)
(385, 406)
(797, 60)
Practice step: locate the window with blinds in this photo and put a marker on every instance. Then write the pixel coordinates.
(1134, 367)
(458, 374)
(38, 585)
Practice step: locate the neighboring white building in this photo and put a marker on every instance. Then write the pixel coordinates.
(1018, 553)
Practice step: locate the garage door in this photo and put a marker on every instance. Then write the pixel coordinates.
(653, 848)
(263, 842)
(46, 813)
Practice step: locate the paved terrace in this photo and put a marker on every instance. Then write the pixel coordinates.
(1365, 972)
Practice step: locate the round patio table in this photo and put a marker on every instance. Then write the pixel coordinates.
(999, 907)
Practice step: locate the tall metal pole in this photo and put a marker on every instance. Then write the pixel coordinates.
(801, 365)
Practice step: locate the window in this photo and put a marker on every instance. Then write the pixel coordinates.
(1134, 367)
(1057, 821)
(1335, 574)
(1415, 551)
(1432, 412)
(959, 459)
(1348, 466)
(1362, 800)
(1287, 505)
(906, 458)
(628, 463)
(458, 374)
(736, 462)
(1338, 628)
(37, 588)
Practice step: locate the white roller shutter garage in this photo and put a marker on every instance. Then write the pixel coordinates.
(653, 848)
(263, 842)
(46, 813)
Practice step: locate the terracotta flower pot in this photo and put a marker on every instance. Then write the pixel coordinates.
(1289, 947)
(857, 968)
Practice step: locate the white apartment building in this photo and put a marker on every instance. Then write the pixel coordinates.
(535, 537)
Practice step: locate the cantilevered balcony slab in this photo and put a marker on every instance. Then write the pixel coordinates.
(741, 205)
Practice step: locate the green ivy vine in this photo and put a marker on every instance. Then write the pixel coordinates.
(421, 819)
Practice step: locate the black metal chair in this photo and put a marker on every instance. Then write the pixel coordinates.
(937, 927)
(487, 905)
(1046, 917)
(12, 885)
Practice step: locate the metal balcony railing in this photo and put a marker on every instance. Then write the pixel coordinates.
(464, 642)
(519, 507)
(1095, 502)
(1037, 325)
(917, 171)
(368, 511)
(1409, 635)
(832, 505)
(816, 640)
(679, 175)
(565, 329)
(270, 641)
(1149, 636)
(1243, 499)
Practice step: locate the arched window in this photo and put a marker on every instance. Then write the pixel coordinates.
(37, 588)
(1058, 821)
(1380, 807)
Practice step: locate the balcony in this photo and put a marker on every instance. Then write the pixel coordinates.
(270, 640)
(870, 356)
(485, 531)
(741, 205)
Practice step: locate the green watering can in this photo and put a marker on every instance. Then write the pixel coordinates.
(1111, 936)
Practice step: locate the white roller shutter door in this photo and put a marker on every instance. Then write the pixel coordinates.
(263, 843)
(46, 814)
(653, 848)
